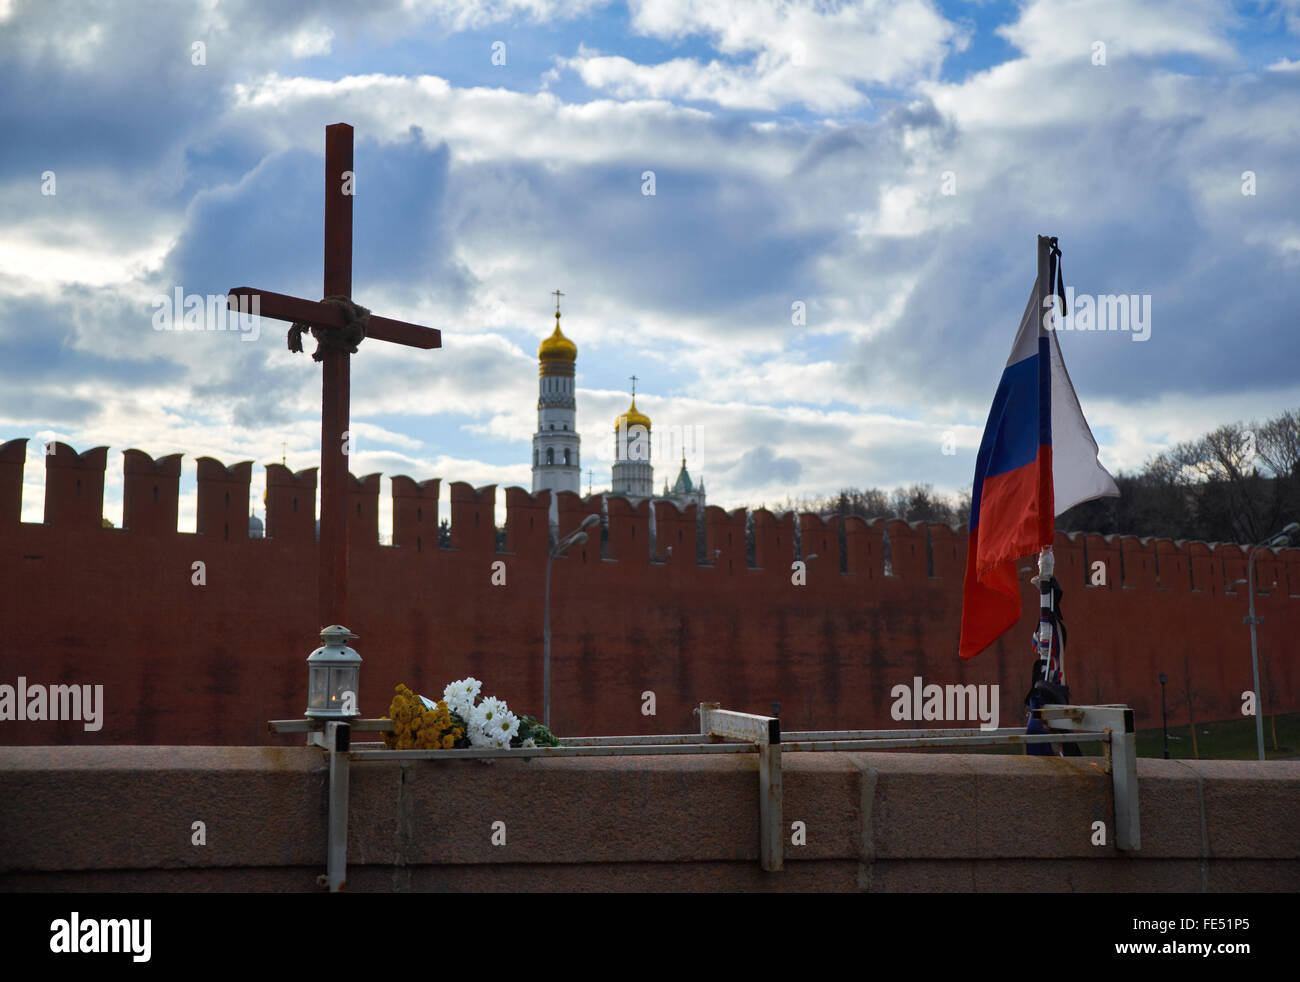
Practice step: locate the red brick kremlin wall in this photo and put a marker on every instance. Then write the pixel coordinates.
(188, 664)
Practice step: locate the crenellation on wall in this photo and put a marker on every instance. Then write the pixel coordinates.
(773, 540)
(865, 541)
(1174, 573)
(1139, 562)
(1233, 559)
(1067, 559)
(570, 510)
(528, 522)
(1270, 573)
(948, 550)
(74, 487)
(906, 550)
(675, 533)
(13, 458)
(1207, 571)
(415, 513)
(820, 537)
(1291, 560)
(917, 550)
(363, 511)
(222, 501)
(473, 518)
(724, 539)
(1102, 549)
(629, 529)
(291, 504)
(150, 493)
(593, 550)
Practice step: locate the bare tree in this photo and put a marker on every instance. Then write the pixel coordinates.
(919, 503)
(1277, 443)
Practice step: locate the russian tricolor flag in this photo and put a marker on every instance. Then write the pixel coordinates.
(1037, 459)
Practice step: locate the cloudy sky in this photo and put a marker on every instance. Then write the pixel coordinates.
(821, 291)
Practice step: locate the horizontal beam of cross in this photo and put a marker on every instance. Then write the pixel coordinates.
(286, 308)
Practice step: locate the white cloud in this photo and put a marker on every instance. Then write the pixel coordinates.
(778, 53)
(1058, 30)
(311, 40)
(542, 193)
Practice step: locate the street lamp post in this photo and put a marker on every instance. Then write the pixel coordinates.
(1281, 539)
(1164, 714)
(575, 538)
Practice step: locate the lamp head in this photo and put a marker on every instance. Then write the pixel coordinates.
(1284, 537)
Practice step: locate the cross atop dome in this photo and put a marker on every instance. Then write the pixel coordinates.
(557, 348)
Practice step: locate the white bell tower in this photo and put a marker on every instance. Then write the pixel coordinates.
(556, 464)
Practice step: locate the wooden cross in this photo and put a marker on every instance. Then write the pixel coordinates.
(336, 381)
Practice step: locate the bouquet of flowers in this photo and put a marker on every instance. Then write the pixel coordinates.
(421, 726)
(459, 719)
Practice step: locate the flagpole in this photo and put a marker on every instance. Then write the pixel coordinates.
(1041, 693)
(1046, 567)
(1046, 562)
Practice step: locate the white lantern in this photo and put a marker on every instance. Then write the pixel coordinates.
(333, 676)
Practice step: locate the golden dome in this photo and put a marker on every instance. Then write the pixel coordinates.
(557, 347)
(633, 417)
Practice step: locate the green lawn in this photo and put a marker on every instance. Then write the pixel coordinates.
(1232, 739)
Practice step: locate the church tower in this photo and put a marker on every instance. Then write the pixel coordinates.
(685, 491)
(555, 444)
(633, 473)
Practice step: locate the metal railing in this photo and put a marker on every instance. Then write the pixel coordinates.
(726, 732)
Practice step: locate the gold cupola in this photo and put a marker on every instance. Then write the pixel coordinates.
(557, 354)
(633, 417)
(557, 347)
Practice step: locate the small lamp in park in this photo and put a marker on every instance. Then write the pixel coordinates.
(1164, 713)
(575, 538)
(333, 676)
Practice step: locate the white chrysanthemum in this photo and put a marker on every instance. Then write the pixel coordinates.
(530, 742)
(485, 714)
(460, 696)
(504, 724)
(482, 737)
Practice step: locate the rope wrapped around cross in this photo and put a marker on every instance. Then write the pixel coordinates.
(345, 338)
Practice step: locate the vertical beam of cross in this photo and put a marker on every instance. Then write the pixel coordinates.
(331, 318)
(336, 382)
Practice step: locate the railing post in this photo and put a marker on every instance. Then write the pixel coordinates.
(1116, 722)
(770, 820)
(338, 740)
(765, 732)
